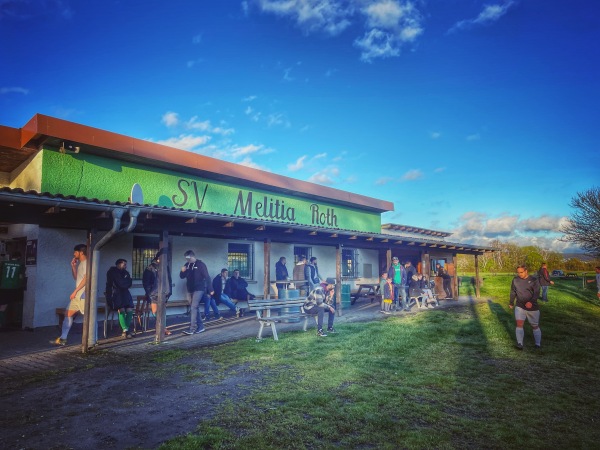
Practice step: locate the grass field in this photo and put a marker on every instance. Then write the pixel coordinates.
(446, 378)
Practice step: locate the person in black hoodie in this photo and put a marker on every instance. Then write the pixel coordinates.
(525, 290)
(118, 297)
(197, 279)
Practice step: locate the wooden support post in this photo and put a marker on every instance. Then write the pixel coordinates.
(338, 280)
(163, 289)
(455, 277)
(477, 283)
(267, 269)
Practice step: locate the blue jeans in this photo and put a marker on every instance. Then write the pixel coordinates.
(544, 293)
(399, 291)
(195, 319)
(209, 302)
(227, 302)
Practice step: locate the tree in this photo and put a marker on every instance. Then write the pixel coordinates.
(584, 224)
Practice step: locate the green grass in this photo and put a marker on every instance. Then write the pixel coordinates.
(441, 379)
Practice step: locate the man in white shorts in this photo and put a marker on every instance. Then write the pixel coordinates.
(526, 290)
(77, 298)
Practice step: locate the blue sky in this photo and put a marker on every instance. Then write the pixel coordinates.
(474, 117)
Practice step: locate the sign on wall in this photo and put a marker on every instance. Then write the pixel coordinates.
(90, 176)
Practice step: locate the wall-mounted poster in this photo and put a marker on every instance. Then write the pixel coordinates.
(31, 252)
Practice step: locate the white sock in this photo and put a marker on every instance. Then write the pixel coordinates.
(66, 326)
(537, 335)
(520, 332)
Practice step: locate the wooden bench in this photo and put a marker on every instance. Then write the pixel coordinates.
(264, 308)
(60, 312)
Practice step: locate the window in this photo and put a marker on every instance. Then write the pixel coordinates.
(144, 249)
(299, 251)
(349, 265)
(240, 257)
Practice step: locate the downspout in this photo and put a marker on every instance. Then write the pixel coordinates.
(93, 297)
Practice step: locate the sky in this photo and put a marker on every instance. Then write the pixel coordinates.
(479, 118)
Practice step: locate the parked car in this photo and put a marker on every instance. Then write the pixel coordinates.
(557, 273)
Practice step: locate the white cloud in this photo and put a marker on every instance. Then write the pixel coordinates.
(277, 119)
(489, 14)
(383, 180)
(435, 135)
(543, 223)
(325, 176)
(170, 119)
(299, 164)
(439, 170)
(501, 226)
(389, 24)
(249, 98)
(412, 175)
(473, 137)
(194, 62)
(185, 141)
(320, 156)
(13, 90)
(238, 152)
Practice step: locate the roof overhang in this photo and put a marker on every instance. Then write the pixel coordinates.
(17, 145)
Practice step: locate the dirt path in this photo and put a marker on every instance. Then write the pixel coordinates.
(117, 404)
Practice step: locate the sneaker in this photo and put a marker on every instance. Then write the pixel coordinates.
(128, 335)
(206, 319)
(386, 312)
(219, 317)
(519, 346)
(238, 312)
(199, 330)
(188, 332)
(124, 334)
(321, 333)
(331, 330)
(430, 306)
(59, 341)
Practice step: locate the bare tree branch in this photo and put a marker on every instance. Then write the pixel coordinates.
(584, 224)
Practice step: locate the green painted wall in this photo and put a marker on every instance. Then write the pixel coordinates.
(91, 176)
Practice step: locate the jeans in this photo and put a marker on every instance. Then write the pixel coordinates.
(227, 302)
(320, 312)
(195, 319)
(399, 291)
(209, 302)
(544, 293)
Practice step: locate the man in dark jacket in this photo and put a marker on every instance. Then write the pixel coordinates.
(118, 297)
(197, 279)
(237, 288)
(219, 296)
(525, 290)
(545, 281)
(281, 272)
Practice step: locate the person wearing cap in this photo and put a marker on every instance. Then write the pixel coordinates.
(197, 279)
(397, 273)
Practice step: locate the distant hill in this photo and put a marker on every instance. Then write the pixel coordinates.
(580, 256)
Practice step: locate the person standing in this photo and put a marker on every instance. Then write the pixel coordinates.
(386, 291)
(410, 272)
(397, 274)
(597, 280)
(311, 273)
(447, 284)
(77, 298)
(281, 272)
(150, 284)
(525, 291)
(118, 297)
(298, 274)
(545, 281)
(197, 278)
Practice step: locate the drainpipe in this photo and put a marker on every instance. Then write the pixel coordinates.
(115, 231)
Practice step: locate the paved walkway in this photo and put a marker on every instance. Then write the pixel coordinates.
(29, 352)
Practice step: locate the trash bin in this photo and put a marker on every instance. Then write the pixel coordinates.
(289, 294)
(346, 300)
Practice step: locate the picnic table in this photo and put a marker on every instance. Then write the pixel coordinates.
(366, 290)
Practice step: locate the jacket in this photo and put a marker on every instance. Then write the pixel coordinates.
(524, 291)
(281, 272)
(117, 292)
(150, 281)
(543, 277)
(217, 286)
(196, 276)
(392, 274)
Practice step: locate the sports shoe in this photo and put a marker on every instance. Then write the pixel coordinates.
(331, 330)
(59, 341)
(430, 306)
(128, 335)
(238, 312)
(188, 332)
(199, 330)
(519, 346)
(219, 317)
(124, 334)
(321, 333)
